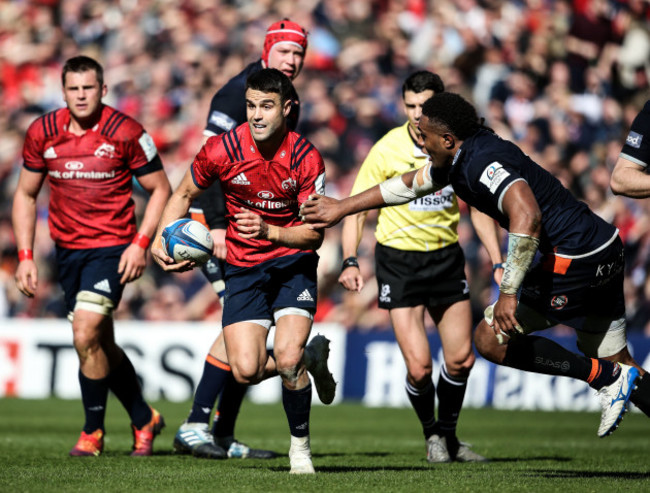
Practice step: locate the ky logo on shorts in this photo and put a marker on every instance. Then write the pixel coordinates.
(384, 295)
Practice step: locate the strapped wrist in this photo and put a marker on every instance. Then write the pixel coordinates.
(521, 251)
(25, 254)
(350, 262)
(141, 240)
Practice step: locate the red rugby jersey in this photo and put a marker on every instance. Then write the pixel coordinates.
(274, 188)
(90, 175)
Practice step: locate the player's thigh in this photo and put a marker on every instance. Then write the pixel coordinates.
(92, 271)
(90, 329)
(246, 347)
(218, 348)
(408, 325)
(454, 324)
(291, 334)
(246, 296)
(294, 304)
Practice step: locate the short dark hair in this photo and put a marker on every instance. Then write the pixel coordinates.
(421, 81)
(82, 64)
(453, 113)
(271, 80)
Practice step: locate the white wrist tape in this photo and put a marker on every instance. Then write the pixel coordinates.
(395, 192)
(521, 252)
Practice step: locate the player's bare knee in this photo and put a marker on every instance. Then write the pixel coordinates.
(289, 371)
(488, 345)
(460, 365)
(419, 374)
(484, 338)
(247, 375)
(85, 337)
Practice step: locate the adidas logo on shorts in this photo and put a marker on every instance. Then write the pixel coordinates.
(305, 296)
(103, 285)
(240, 179)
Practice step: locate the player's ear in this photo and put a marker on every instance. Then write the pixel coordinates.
(448, 140)
(287, 108)
(104, 90)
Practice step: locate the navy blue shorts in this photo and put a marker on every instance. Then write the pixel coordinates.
(254, 293)
(569, 290)
(93, 269)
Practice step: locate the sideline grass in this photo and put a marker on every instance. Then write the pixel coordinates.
(355, 449)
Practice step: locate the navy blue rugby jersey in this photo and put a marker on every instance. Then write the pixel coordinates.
(487, 165)
(637, 143)
(228, 106)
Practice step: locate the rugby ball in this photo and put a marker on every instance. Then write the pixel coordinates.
(185, 239)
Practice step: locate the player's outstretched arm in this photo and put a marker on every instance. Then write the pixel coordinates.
(134, 260)
(176, 208)
(23, 217)
(630, 179)
(325, 212)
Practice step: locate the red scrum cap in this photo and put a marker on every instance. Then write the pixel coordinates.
(284, 31)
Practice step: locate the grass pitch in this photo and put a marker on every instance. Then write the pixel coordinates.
(355, 449)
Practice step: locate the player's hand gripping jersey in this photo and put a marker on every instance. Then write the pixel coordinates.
(90, 176)
(273, 189)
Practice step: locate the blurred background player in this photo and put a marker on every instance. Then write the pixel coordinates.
(284, 49)
(578, 281)
(419, 264)
(271, 263)
(90, 152)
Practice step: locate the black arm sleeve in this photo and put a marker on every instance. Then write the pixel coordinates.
(214, 206)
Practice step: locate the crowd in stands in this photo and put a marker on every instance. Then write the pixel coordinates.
(563, 79)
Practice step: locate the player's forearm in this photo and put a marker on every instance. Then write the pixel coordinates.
(630, 179)
(23, 217)
(395, 191)
(364, 201)
(176, 208)
(488, 232)
(351, 234)
(301, 237)
(155, 206)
